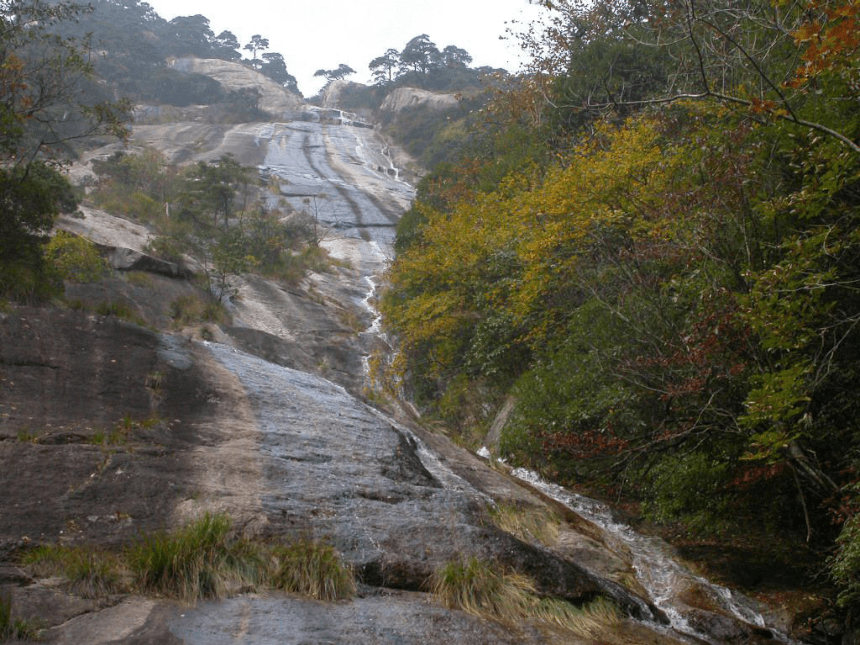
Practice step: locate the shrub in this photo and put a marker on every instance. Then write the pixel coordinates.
(74, 259)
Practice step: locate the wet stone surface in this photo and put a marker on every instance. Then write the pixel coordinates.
(382, 620)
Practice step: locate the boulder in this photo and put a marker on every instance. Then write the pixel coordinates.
(124, 259)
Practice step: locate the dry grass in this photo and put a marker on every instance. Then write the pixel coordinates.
(531, 524)
(89, 573)
(312, 569)
(477, 588)
(203, 559)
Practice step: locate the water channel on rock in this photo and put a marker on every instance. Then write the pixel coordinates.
(656, 567)
(334, 468)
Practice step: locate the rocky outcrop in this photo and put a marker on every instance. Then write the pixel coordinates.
(406, 97)
(332, 92)
(233, 76)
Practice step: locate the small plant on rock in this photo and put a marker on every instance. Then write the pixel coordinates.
(14, 629)
(312, 569)
(90, 573)
(203, 559)
(480, 589)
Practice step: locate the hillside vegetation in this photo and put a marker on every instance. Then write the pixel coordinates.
(652, 245)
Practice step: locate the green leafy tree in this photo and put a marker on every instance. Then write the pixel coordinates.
(454, 56)
(275, 68)
(211, 191)
(191, 35)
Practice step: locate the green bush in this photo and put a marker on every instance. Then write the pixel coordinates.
(570, 408)
(690, 487)
(74, 259)
(26, 282)
(845, 564)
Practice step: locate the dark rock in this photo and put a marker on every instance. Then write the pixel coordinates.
(723, 629)
(70, 380)
(123, 259)
(50, 607)
(405, 465)
(13, 575)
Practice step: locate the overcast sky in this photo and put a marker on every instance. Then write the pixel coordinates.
(315, 34)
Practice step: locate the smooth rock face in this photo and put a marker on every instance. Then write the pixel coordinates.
(234, 76)
(406, 97)
(394, 619)
(284, 451)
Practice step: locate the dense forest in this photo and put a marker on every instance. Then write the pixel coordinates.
(651, 248)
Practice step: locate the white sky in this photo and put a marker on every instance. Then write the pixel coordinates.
(322, 34)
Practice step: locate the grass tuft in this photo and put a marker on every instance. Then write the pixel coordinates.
(14, 629)
(120, 310)
(477, 588)
(25, 435)
(203, 559)
(90, 573)
(312, 569)
(190, 310)
(528, 524)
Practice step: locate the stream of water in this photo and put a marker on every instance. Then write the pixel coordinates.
(656, 566)
(297, 158)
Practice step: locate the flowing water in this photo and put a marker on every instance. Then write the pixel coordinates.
(322, 448)
(656, 566)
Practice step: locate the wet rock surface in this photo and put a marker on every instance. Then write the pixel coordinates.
(265, 423)
(388, 619)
